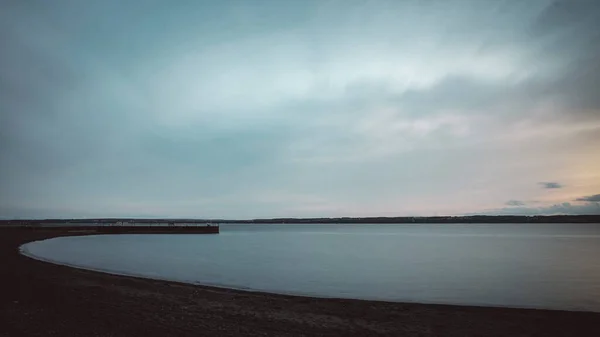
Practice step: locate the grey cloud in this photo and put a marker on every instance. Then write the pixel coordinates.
(472, 96)
(570, 29)
(590, 198)
(573, 83)
(550, 185)
(564, 19)
(515, 203)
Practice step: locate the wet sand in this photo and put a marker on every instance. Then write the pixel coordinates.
(43, 299)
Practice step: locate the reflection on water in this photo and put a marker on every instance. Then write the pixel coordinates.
(521, 265)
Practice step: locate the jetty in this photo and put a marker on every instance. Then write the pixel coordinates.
(122, 228)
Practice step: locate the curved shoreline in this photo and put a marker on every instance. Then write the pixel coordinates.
(41, 298)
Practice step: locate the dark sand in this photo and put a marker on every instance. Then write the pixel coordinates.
(42, 299)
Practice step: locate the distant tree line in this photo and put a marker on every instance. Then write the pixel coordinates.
(438, 219)
(343, 220)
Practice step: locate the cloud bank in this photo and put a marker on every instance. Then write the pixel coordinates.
(336, 108)
(591, 198)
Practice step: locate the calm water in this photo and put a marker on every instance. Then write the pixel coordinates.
(518, 265)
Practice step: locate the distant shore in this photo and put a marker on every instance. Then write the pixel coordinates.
(481, 219)
(43, 299)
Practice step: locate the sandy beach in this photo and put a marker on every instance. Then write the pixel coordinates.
(43, 299)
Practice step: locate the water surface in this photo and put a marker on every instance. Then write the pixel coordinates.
(519, 265)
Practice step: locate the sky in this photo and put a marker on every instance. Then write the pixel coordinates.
(254, 109)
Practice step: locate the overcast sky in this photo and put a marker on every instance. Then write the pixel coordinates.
(246, 109)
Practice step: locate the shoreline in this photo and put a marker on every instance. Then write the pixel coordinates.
(101, 304)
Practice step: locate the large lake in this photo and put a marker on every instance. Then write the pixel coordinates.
(518, 265)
